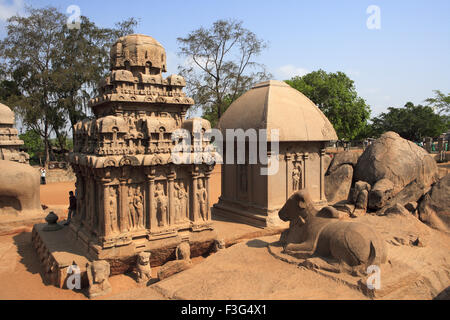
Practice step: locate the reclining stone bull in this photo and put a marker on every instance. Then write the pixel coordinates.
(318, 233)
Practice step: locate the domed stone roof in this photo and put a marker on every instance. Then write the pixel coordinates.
(138, 50)
(6, 115)
(275, 105)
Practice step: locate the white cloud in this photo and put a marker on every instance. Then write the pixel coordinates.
(9, 8)
(288, 71)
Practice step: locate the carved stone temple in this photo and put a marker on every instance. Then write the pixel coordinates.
(131, 195)
(9, 141)
(304, 131)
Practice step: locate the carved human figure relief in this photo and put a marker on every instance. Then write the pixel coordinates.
(131, 209)
(138, 203)
(161, 205)
(180, 197)
(112, 226)
(296, 177)
(202, 198)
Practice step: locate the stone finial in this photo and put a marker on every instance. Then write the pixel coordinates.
(52, 222)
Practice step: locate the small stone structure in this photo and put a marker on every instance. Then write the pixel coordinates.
(131, 196)
(304, 131)
(9, 141)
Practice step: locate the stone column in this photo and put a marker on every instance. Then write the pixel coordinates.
(305, 157)
(123, 206)
(104, 219)
(288, 160)
(208, 204)
(170, 197)
(195, 208)
(322, 175)
(152, 221)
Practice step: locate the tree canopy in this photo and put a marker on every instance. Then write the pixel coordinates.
(220, 65)
(51, 71)
(412, 122)
(336, 96)
(440, 102)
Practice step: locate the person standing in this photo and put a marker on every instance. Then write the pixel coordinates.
(43, 173)
(72, 206)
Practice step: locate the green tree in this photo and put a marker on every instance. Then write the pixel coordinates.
(411, 122)
(336, 96)
(440, 102)
(220, 65)
(55, 70)
(33, 145)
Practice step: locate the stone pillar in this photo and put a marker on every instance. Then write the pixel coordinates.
(152, 221)
(104, 219)
(208, 204)
(322, 175)
(305, 157)
(195, 208)
(288, 160)
(123, 206)
(170, 197)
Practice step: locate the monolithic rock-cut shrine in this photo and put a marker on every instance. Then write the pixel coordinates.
(303, 133)
(131, 197)
(9, 141)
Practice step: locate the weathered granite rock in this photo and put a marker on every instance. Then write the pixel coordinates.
(341, 158)
(380, 194)
(398, 160)
(411, 206)
(397, 209)
(357, 189)
(338, 184)
(434, 209)
(173, 267)
(19, 188)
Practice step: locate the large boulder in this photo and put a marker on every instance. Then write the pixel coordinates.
(398, 160)
(434, 209)
(341, 158)
(338, 184)
(19, 188)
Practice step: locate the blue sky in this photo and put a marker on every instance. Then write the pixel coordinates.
(405, 60)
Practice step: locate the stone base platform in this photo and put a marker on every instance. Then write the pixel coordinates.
(394, 275)
(59, 249)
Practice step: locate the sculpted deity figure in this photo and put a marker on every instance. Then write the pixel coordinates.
(202, 198)
(161, 205)
(296, 178)
(131, 209)
(138, 204)
(112, 211)
(181, 197)
(98, 274)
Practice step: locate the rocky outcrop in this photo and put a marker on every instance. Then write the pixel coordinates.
(434, 209)
(338, 184)
(398, 160)
(346, 157)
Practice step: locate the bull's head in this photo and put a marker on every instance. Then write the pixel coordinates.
(297, 206)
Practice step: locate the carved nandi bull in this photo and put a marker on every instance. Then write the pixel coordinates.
(318, 233)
